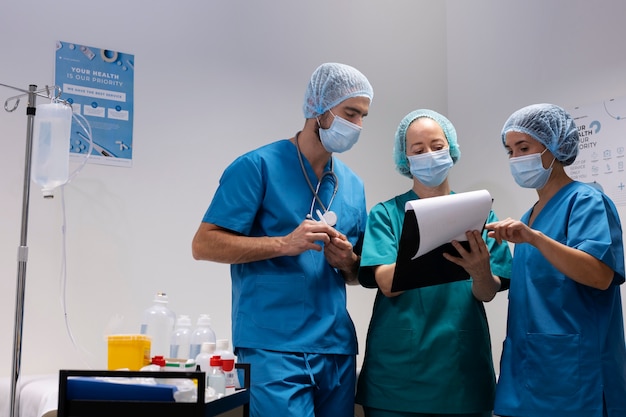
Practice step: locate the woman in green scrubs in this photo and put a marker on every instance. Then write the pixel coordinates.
(428, 350)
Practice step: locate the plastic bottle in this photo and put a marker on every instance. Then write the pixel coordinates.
(228, 361)
(181, 338)
(158, 323)
(202, 333)
(230, 375)
(216, 380)
(222, 348)
(51, 146)
(203, 359)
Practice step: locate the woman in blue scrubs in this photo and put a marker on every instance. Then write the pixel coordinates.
(428, 350)
(564, 354)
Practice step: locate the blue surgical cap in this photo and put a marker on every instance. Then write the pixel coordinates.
(332, 83)
(548, 124)
(399, 149)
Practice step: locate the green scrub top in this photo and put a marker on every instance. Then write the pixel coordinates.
(428, 350)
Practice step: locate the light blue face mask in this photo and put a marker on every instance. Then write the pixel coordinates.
(528, 170)
(340, 136)
(431, 168)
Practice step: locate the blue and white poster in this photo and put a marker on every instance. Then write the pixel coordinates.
(98, 83)
(602, 147)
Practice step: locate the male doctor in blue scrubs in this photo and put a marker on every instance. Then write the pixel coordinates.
(289, 217)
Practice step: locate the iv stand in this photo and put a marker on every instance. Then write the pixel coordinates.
(22, 253)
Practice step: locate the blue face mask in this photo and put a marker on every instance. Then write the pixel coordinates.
(431, 168)
(528, 170)
(340, 136)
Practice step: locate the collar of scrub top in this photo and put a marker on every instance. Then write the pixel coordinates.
(329, 217)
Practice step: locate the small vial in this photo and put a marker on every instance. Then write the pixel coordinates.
(216, 379)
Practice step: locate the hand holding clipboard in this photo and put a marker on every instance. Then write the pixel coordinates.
(430, 224)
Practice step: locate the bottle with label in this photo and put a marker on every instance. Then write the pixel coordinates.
(51, 146)
(228, 358)
(202, 333)
(158, 323)
(230, 375)
(181, 338)
(216, 380)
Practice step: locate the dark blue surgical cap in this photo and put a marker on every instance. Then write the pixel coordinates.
(399, 149)
(332, 83)
(548, 124)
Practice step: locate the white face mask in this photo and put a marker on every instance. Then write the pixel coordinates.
(340, 136)
(431, 168)
(528, 170)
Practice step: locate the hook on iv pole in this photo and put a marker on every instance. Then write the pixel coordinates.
(16, 99)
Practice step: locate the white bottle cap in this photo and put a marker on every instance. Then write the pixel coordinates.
(204, 320)
(160, 297)
(208, 347)
(183, 320)
(223, 344)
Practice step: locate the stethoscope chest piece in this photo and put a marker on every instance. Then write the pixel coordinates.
(330, 217)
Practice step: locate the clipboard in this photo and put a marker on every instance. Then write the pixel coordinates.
(420, 262)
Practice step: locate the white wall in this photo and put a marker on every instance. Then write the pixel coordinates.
(217, 78)
(503, 55)
(213, 79)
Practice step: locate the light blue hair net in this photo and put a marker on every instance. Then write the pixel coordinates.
(332, 83)
(550, 125)
(399, 149)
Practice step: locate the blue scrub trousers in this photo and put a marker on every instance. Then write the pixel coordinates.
(300, 384)
(373, 412)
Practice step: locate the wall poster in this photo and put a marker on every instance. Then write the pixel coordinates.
(601, 153)
(99, 84)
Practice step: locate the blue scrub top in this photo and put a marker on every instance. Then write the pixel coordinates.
(564, 350)
(289, 303)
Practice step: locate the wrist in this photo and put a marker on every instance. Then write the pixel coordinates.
(351, 274)
(486, 290)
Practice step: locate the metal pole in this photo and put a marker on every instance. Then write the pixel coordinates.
(22, 253)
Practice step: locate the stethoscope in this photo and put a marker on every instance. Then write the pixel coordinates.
(329, 217)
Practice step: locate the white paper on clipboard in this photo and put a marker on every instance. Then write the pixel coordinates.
(443, 219)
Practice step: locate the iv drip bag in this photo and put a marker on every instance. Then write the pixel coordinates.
(51, 146)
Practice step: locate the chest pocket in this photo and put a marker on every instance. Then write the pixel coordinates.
(349, 222)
